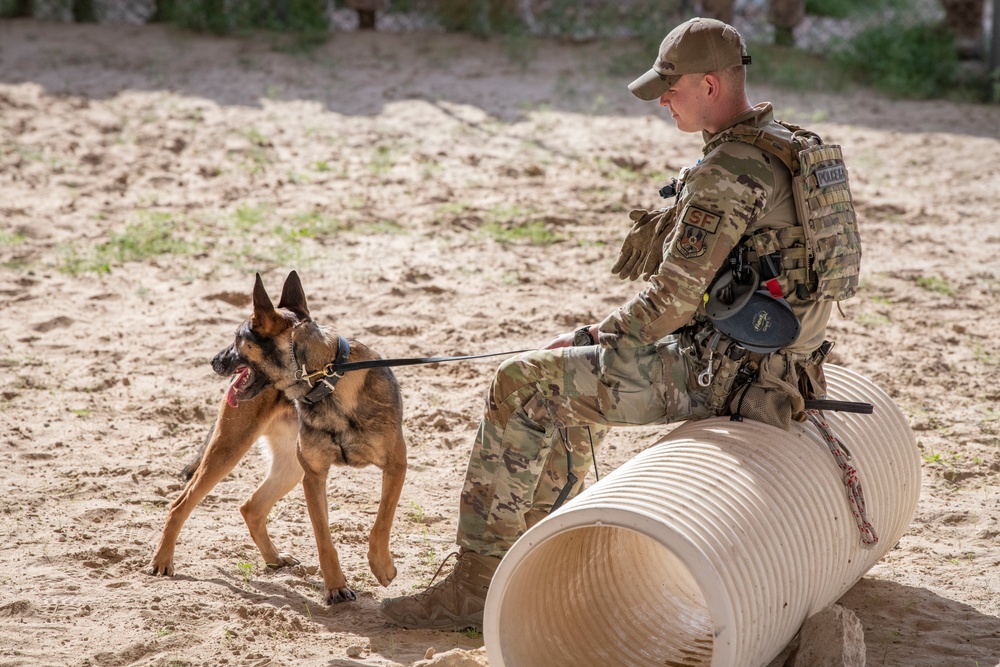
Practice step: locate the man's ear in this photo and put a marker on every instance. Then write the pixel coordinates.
(293, 297)
(713, 85)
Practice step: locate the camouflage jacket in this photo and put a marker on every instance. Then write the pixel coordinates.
(735, 189)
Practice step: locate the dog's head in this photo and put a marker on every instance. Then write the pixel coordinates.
(261, 353)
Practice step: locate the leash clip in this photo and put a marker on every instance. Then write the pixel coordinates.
(705, 377)
(303, 374)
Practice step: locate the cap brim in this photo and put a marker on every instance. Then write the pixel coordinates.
(652, 84)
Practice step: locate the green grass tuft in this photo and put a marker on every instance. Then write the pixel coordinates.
(935, 284)
(534, 232)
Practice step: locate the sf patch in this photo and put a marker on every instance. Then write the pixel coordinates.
(691, 243)
(702, 219)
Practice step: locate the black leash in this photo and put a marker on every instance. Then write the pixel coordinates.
(335, 370)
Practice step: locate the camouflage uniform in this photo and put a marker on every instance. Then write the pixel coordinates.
(644, 369)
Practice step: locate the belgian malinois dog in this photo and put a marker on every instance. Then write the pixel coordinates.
(274, 362)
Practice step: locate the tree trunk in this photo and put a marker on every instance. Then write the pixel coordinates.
(163, 12)
(83, 11)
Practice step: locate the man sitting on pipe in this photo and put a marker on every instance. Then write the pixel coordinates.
(767, 213)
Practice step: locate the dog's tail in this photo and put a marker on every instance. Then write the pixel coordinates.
(188, 472)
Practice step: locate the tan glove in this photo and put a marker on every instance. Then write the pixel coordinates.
(642, 249)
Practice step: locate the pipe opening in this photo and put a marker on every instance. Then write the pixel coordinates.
(603, 595)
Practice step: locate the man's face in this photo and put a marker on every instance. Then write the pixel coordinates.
(687, 101)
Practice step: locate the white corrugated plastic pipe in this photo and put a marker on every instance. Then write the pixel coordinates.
(709, 548)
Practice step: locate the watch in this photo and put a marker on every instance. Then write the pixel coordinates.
(582, 337)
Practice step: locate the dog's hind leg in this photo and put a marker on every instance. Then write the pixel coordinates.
(236, 429)
(393, 475)
(284, 473)
(188, 472)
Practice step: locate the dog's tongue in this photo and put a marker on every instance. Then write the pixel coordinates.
(233, 386)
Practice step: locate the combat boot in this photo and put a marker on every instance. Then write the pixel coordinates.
(454, 603)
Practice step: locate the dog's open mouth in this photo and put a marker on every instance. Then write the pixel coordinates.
(241, 379)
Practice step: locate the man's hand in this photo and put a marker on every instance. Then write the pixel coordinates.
(562, 340)
(566, 339)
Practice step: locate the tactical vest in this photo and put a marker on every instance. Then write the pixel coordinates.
(820, 259)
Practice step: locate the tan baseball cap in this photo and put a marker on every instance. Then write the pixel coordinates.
(694, 47)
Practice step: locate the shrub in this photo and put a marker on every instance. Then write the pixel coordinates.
(841, 9)
(917, 61)
(222, 17)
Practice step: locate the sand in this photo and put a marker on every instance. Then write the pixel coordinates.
(438, 195)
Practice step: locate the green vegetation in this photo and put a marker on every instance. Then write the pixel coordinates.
(534, 232)
(873, 320)
(987, 356)
(310, 225)
(256, 236)
(480, 17)
(9, 238)
(152, 235)
(252, 218)
(382, 163)
(307, 17)
(842, 9)
(935, 284)
(918, 61)
(245, 569)
(794, 69)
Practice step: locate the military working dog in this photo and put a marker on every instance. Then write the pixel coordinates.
(276, 363)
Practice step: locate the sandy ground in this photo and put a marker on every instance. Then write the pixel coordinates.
(438, 195)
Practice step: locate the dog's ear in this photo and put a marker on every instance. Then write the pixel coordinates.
(263, 310)
(293, 297)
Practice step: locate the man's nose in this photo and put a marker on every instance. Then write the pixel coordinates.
(665, 99)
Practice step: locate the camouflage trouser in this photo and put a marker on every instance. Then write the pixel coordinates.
(543, 402)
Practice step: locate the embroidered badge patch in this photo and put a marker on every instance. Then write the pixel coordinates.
(834, 175)
(699, 217)
(691, 243)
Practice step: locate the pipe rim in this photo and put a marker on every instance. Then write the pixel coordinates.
(717, 600)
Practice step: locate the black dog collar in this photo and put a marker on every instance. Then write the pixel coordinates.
(331, 374)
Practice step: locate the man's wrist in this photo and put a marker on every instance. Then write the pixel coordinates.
(582, 337)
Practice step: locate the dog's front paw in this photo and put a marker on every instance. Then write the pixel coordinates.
(161, 567)
(283, 560)
(338, 595)
(382, 567)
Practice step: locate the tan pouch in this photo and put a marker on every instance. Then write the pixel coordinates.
(773, 397)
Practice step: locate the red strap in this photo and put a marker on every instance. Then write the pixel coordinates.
(774, 288)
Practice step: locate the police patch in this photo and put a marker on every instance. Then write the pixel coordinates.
(691, 242)
(699, 217)
(828, 176)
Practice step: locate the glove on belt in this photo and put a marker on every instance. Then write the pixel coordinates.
(642, 249)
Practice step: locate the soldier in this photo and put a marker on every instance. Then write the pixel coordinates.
(656, 359)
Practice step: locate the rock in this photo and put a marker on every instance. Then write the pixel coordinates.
(831, 638)
(456, 658)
